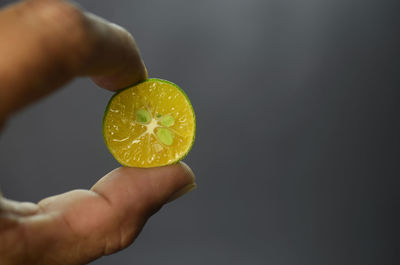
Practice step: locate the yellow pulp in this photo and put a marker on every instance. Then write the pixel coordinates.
(137, 144)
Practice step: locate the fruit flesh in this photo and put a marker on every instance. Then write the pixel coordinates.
(150, 124)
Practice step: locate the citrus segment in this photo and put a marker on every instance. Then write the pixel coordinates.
(167, 121)
(150, 124)
(143, 116)
(165, 136)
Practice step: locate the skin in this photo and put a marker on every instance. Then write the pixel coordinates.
(43, 45)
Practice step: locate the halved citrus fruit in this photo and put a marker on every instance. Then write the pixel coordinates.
(150, 124)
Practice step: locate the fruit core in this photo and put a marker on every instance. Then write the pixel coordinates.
(157, 126)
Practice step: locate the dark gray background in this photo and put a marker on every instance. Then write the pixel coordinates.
(298, 142)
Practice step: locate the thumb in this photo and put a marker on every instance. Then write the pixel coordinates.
(134, 194)
(145, 190)
(89, 224)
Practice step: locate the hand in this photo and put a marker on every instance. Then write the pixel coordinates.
(43, 45)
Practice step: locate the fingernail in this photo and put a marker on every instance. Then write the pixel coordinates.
(189, 187)
(180, 193)
(189, 170)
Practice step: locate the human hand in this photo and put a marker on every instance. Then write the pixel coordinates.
(43, 45)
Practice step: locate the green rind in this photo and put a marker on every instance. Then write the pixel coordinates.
(145, 81)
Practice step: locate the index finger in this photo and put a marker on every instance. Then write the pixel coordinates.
(46, 43)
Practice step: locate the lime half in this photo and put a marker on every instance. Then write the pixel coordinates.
(150, 124)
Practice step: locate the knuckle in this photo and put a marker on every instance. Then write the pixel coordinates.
(58, 13)
(65, 26)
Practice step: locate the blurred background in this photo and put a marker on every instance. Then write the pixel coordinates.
(298, 142)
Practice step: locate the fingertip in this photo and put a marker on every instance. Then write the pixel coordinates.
(182, 181)
(182, 192)
(128, 76)
(130, 68)
(146, 189)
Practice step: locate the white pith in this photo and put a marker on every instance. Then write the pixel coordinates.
(151, 126)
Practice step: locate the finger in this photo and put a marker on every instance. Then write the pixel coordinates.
(18, 208)
(120, 63)
(46, 43)
(88, 224)
(153, 187)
